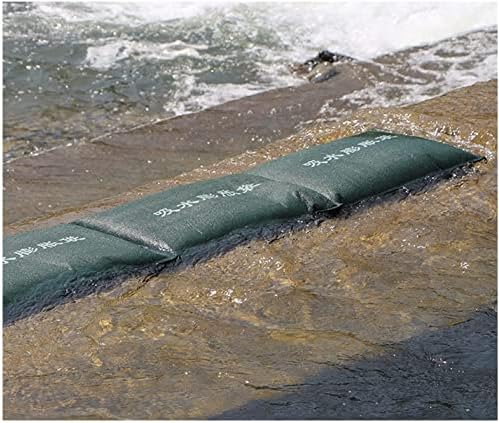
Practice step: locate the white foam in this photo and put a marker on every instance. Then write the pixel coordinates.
(272, 35)
(363, 30)
(193, 96)
(109, 52)
(468, 61)
(125, 13)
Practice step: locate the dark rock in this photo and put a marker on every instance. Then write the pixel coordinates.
(319, 68)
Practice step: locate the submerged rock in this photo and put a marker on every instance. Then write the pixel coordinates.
(320, 68)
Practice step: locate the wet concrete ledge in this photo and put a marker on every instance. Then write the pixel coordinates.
(476, 110)
(112, 164)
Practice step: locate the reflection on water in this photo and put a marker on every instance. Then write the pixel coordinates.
(238, 328)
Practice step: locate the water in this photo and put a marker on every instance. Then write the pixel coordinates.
(73, 71)
(383, 387)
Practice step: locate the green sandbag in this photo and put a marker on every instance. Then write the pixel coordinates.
(351, 169)
(323, 177)
(49, 260)
(190, 215)
(163, 226)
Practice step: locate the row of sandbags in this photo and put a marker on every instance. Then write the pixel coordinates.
(162, 227)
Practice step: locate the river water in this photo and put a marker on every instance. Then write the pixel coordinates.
(73, 71)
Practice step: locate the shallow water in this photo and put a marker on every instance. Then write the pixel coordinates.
(457, 367)
(323, 306)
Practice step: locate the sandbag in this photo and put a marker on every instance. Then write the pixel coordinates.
(49, 260)
(190, 215)
(351, 169)
(164, 226)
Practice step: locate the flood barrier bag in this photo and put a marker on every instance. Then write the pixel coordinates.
(190, 215)
(46, 262)
(163, 226)
(354, 168)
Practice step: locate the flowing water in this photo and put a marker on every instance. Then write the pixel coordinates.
(73, 71)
